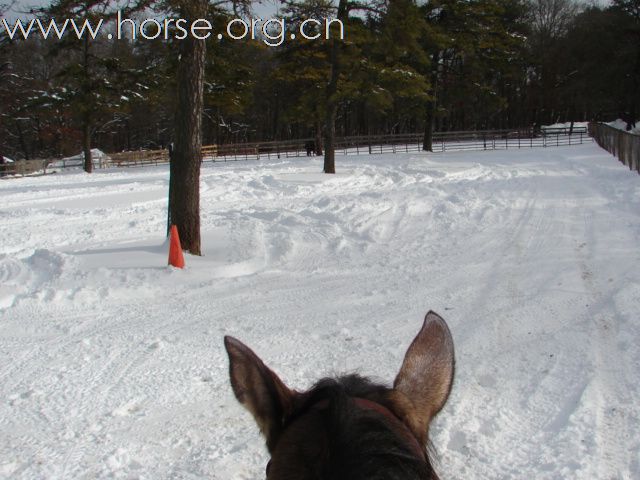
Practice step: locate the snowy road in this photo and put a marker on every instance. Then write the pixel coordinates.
(112, 364)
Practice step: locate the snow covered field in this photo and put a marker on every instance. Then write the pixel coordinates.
(112, 364)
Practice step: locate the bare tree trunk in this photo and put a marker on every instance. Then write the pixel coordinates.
(86, 115)
(634, 98)
(332, 97)
(318, 137)
(427, 140)
(329, 140)
(86, 145)
(184, 183)
(23, 143)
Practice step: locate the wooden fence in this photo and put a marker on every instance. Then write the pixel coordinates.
(139, 158)
(355, 145)
(376, 144)
(40, 166)
(624, 145)
(23, 167)
(460, 141)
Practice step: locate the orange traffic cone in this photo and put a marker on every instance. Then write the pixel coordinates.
(176, 258)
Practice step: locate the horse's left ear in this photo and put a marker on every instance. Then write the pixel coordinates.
(258, 389)
(426, 375)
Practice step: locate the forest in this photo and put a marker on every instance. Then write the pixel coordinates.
(405, 66)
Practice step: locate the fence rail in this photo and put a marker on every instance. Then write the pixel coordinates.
(460, 141)
(354, 145)
(23, 167)
(624, 145)
(139, 158)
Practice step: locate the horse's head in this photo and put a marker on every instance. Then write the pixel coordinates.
(349, 427)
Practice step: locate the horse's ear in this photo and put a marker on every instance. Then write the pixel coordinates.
(426, 375)
(258, 389)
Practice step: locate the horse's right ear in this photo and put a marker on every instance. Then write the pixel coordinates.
(426, 375)
(258, 389)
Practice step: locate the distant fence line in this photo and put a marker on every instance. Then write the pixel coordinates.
(354, 145)
(460, 141)
(22, 167)
(624, 145)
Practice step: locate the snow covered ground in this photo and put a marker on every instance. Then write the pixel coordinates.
(565, 125)
(112, 364)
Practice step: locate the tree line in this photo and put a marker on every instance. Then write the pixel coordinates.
(403, 67)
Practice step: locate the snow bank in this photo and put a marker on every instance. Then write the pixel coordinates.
(98, 156)
(622, 125)
(112, 364)
(565, 125)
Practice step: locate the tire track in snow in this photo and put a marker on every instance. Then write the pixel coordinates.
(60, 353)
(523, 243)
(488, 305)
(18, 371)
(613, 430)
(103, 390)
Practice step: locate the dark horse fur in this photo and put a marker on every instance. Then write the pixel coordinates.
(350, 428)
(310, 147)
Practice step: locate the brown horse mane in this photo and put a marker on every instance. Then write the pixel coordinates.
(362, 443)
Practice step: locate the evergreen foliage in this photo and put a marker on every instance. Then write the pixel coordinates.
(405, 66)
